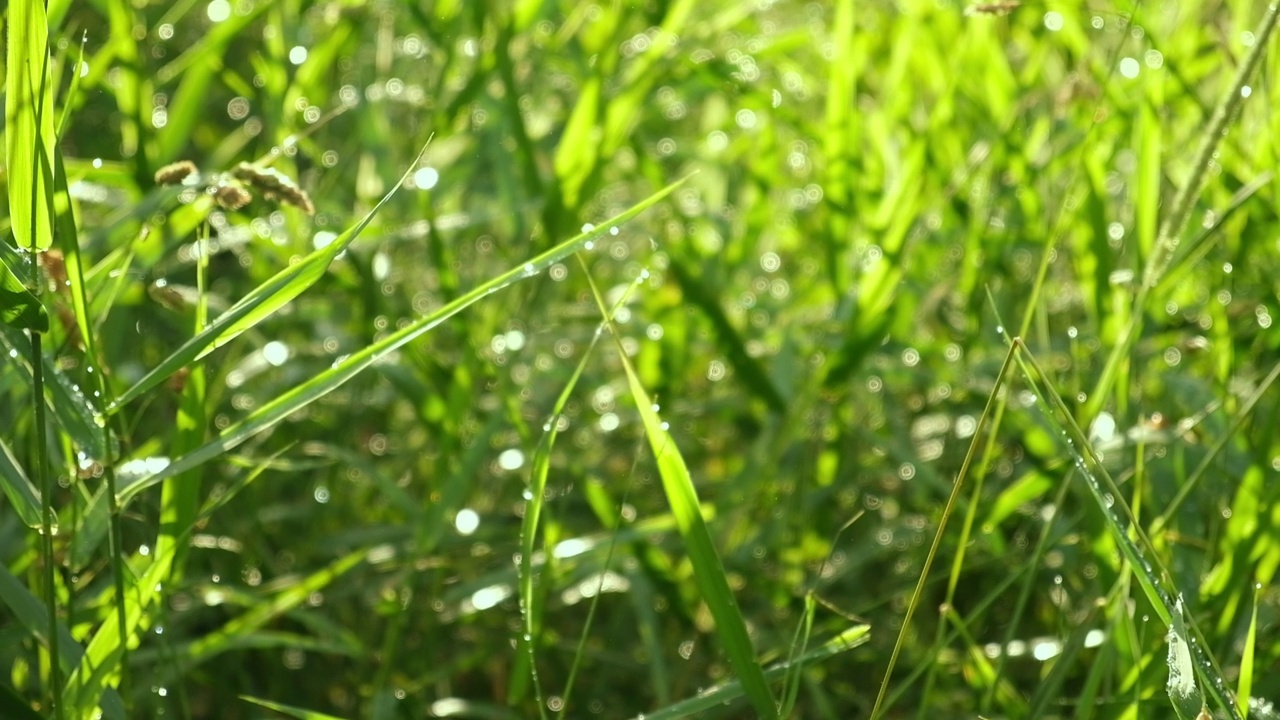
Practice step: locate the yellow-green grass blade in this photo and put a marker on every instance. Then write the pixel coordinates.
(261, 302)
(29, 136)
(69, 244)
(1244, 688)
(273, 411)
(707, 569)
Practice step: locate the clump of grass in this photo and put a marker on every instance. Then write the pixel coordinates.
(376, 462)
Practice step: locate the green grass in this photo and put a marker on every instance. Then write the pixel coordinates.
(672, 359)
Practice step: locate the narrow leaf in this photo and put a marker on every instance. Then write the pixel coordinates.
(28, 114)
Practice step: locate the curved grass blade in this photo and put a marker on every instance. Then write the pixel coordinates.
(1244, 687)
(707, 569)
(535, 498)
(272, 412)
(258, 304)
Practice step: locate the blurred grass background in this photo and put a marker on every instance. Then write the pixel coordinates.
(815, 326)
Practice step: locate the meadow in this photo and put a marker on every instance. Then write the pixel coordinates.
(533, 358)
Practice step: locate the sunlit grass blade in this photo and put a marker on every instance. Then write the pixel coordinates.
(69, 244)
(29, 135)
(275, 410)
(258, 304)
(712, 582)
(719, 695)
(987, 412)
(1244, 686)
(18, 488)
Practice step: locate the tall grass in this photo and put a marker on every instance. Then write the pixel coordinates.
(528, 359)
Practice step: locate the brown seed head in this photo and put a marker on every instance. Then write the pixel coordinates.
(232, 196)
(274, 185)
(175, 173)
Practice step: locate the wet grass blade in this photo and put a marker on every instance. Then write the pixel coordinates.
(535, 498)
(707, 569)
(1132, 542)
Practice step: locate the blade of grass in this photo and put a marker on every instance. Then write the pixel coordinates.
(707, 569)
(1188, 702)
(1244, 687)
(29, 136)
(71, 407)
(1151, 574)
(535, 498)
(987, 411)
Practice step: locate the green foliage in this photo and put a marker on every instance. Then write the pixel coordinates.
(326, 422)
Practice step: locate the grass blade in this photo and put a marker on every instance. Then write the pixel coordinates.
(709, 572)
(29, 136)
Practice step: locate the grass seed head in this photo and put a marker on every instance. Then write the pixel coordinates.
(1000, 7)
(274, 185)
(232, 196)
(175, 173)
